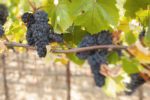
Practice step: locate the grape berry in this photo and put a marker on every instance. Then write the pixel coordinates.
(3, 18)
(136, 81)
(28, 18)
(1, 30)
(3, 14)
(95, 61)
(87, 41)
(39, 32)
(104, 38)
(141, 35)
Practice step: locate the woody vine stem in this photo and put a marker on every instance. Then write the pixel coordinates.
(72, 50)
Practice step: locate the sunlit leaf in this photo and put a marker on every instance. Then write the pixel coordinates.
(124, 25)
(100, 15)
(62, 60)
(113, 86)
(143, 16)
(130, 38)
(141, 55)
(59, 13)
(132, 6)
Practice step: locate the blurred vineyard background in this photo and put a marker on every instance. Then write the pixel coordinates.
(26, 77)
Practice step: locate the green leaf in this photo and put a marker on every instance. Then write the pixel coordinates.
(75, 35)
(124, 25)
(77, 7)
(75, 59)
(98, 16)
(113, 86)
(131, 65)
(113, 57)
(132, 6)
(147, 36)
(130, 38)
(16, 31)
(143, 16)
(60, 17)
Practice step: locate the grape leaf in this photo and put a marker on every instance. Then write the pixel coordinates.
(124, 25)
(100, 15)
(75, 35)
(144, 17)
(77, 7)
(60, 17)
(113, 86)
(61, 60)
(140, 53)
(132, 6)
(75, 59)
(16, 31)
(113, 57)
(147, 35)
(131, 65)
(130, 38)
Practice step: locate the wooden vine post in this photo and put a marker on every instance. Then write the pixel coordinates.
(6, 90)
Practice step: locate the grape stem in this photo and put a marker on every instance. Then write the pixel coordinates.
(73, 50)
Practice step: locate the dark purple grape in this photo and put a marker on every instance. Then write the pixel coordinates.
(54, 37)
(95, 61)
(3, 14)
(28, 18)
(41, 16)
(87, 41)
(142, 35)
(104, 38)
(41, 49)
(136, 81)
(1, 31)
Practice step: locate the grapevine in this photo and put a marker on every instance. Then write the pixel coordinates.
(104, 34)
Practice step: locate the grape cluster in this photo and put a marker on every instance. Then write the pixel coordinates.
(96, 57)
(136, 81)
(39, 32)
(88, 40)
(3, 17)
(95, 61)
